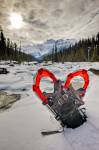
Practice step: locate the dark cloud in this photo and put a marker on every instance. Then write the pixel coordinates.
(31, 15)
(93, 16)
(57, 12)
(38, 23)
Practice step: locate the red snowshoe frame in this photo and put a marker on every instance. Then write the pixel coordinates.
(46, 73)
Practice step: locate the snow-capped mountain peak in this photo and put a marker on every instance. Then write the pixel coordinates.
(39, 50)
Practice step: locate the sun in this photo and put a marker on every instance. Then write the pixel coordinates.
(16, 20)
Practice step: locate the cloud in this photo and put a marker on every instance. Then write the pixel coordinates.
(45, 19)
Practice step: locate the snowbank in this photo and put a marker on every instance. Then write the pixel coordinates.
(20, 125)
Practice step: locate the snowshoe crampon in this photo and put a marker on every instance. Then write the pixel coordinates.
(65, 101)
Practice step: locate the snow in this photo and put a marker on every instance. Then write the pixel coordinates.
(20, 125)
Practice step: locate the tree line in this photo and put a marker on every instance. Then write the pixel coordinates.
(10, 51)
(83, 50)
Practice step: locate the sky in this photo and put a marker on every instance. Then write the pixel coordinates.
(35, 21)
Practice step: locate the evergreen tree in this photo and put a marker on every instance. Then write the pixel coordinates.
(9, 50)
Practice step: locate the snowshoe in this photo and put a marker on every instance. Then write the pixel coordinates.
(65, 101)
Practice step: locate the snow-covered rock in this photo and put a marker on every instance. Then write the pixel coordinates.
(7, 100)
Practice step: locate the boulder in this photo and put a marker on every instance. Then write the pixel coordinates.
(6, 100)
(3, 71)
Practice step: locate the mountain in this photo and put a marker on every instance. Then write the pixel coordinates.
(40, 50)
